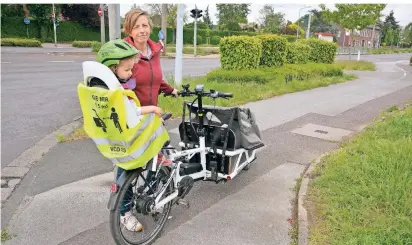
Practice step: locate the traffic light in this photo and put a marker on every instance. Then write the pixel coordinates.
(196, 13)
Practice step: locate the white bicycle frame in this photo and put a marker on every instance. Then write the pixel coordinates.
(204, 173)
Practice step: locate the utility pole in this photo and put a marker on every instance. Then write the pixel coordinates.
(164, 25)
(179, 44)
(102, 24)
(308, 30)
(54, 26)
(114, 21)
(297, 29)
(196, 13)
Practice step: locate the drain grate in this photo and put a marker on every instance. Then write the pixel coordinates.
(321, 131)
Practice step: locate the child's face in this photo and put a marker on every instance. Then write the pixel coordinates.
(125, 68)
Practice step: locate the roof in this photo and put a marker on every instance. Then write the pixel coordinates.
(325, 34)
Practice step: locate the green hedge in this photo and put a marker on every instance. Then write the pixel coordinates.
(321, 51)
(273, 50)
(20, 42)
(240, 52)
(286, 73)
(215, 40)
(297, 53)
(82, 44)
(96, 46)
(69, 31)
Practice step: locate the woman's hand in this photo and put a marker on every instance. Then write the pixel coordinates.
(175, 93)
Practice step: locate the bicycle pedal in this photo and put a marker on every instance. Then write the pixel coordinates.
(183, 202)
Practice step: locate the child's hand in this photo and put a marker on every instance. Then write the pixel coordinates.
(158, 111)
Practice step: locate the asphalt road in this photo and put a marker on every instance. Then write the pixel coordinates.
(39, 91)
(39, 95)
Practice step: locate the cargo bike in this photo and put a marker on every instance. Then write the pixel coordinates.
(216, 144)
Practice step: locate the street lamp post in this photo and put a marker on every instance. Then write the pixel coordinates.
(297, 29)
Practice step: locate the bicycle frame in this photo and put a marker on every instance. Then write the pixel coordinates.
(203, 151)
(204, 173)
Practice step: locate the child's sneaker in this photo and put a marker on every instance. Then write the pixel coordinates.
(130, 221)
(161, 159)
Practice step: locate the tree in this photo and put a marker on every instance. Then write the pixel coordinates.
(390, 19)
(291, 30)
(206, 18)
(199, 25)
(407, 35)
(389, 37)
(272, 22)
(317, 23)
(353, 16)
(230, 15)
(85, 14)
(171, 18)
(389, 23)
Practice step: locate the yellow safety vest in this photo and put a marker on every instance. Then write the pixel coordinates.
(104, 114)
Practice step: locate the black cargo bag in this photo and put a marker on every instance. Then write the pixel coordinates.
(237, 126)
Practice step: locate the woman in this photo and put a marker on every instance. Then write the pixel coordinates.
(147, 72)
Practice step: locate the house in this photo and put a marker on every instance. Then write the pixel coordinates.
(368, 37)
(327, 36)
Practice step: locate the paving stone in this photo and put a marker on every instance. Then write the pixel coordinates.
(14, 172)
(322, 132)
(5, 193)
(14, 182)
(3, 182)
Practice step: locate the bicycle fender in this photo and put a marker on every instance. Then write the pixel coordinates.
(111, 205)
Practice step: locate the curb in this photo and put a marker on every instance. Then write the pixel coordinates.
(14, 172)
(303, 231)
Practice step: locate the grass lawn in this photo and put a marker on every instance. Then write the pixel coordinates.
(362, 194)
(248, 91)
(356, 65)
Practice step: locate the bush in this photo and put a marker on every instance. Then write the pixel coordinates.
(390, 50)
(273, 50)
(199, 40)
(96, 46)
(297, 53)
(240, 52)
(410, 61)
(20, 42)
(322, 51)
(215, 40)
(82, 44)
(221, 75)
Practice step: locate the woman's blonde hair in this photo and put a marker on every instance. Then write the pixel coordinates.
(131, 18)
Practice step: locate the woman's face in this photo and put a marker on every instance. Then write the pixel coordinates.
(141, 30)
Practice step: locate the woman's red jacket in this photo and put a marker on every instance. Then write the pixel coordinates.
(149, 76)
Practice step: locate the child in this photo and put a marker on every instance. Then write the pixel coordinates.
(120, 57)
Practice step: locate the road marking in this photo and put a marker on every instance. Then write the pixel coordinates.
(61, 61)
(6, 62)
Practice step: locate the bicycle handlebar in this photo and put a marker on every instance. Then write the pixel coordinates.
(199, 91)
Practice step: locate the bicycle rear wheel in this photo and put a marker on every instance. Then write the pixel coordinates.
(142, 197)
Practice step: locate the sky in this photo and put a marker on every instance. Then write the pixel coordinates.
(402, 12)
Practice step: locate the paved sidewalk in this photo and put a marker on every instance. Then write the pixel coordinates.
(65, 195)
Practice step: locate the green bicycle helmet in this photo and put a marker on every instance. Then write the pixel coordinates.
(112, 52)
